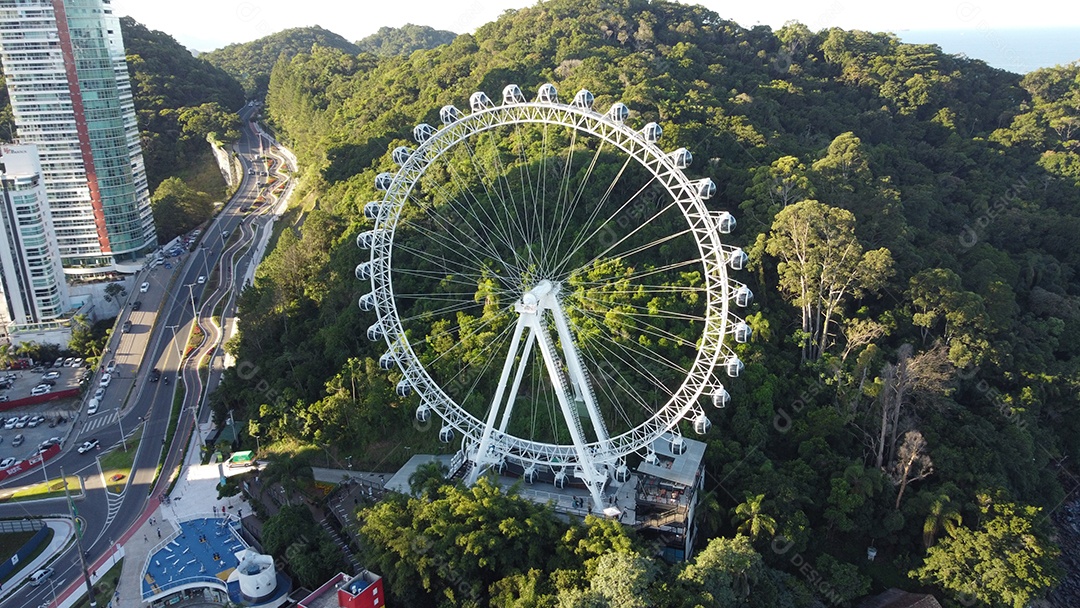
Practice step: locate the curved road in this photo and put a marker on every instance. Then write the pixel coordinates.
(107, 516)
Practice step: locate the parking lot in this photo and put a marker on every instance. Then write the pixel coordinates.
(23, 429)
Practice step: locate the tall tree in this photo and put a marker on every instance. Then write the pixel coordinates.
(821, 266)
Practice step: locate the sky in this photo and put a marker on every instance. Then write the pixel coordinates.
(205, 25)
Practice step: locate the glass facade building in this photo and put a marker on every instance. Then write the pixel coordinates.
(67, 78)
(34, 290)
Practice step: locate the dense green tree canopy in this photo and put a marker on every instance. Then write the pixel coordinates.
(940, 205)
(390, 41)
(250, 62)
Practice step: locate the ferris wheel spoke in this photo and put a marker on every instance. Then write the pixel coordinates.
(452, 226)
(645, 328)
(640, 227)
(601, 368)
(512, 220)
(525, 177)
(586, 233)
(572, 203)
(438, 312)
(474, 203)
(446, 227)
(629, 355)
(640, 275)
(643, 312)
(626, 358)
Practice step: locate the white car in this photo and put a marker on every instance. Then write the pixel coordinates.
(7, 462)
(93, 407)
(51, 376)
(10, 422)
(202, 279)
(23, 421)
(111, 366)
(35, 420)
(145, 287)
(106, 378)
(99, 393)
(87, 446)
(77, 362)
(40, 389)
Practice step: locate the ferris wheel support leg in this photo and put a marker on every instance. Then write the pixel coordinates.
(577, 373)
(482, 459)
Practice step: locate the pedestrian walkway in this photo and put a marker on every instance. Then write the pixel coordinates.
(96, 422)
(194, 495)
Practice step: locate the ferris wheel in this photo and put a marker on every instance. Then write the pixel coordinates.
(552, 286)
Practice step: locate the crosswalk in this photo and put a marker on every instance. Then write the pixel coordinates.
(103, 419)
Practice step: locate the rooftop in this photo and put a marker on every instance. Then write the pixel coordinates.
(203, 551)
(676, 468)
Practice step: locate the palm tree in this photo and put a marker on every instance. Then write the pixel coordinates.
(754, 522)
(943, 516)
(427, 479)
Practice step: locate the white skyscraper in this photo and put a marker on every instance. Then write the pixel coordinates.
(34, 290)
(70, 93)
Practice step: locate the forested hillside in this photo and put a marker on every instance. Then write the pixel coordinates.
(390, 41)
(179, 100)
(912, 382)
(250, 62)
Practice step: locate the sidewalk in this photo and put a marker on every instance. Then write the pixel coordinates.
(194, 492)
(63, 533)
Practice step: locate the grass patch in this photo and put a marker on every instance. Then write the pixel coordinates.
(30, 558)
(12, 542)
(105, 588)
(51, 489)
(174, 419)
(119, 462)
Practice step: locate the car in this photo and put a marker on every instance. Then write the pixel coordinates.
(59, 362)
(88, 445)
(18, 440)
(155, 375)
(126, 327)
(92, 408)
(77, 362)
(10, 422)
(40, 389)
(110, 366)
(68, 361)
(4, 399)
(105, 380)
(201, 280)
(40, 576)
(35, 420)
(136, 305)
(99, 392)
(7, 462)
(22, 422)
(53, 375)
(145, 287)
(251, 172)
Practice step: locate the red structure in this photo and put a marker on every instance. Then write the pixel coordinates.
(27, 465)
(365, 590)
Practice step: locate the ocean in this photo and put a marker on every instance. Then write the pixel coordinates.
(1016, 50)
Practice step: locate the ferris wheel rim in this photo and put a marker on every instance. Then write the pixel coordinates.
(711, 347)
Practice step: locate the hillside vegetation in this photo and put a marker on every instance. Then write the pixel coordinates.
(390, 41)
(250, 62)
(911, 219)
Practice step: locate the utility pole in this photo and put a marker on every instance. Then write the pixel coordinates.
(78, 541)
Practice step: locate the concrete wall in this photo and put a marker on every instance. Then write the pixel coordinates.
(230, 168)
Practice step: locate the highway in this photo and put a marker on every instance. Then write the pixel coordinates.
(153, 342)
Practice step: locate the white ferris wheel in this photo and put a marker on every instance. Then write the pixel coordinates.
(552, 286)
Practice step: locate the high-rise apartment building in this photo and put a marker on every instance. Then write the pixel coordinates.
(31, 279)
(70, 94)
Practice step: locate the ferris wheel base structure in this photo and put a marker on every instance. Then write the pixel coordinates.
(502, 227)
